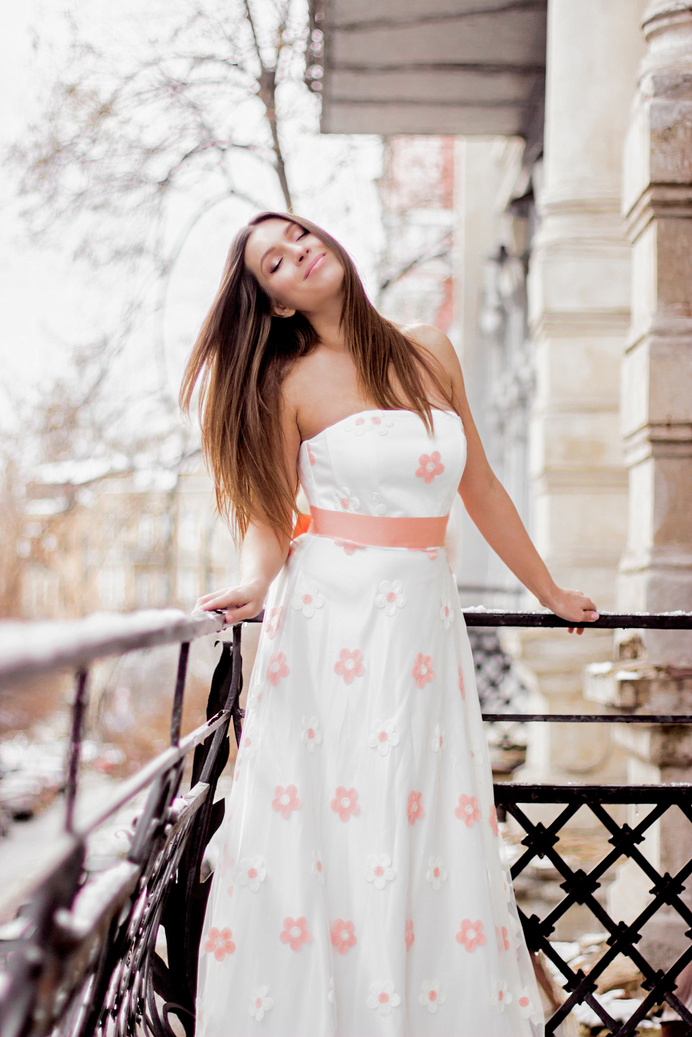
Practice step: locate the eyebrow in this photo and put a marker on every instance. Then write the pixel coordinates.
(289, 225)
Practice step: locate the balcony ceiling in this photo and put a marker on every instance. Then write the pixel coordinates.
(472, 67)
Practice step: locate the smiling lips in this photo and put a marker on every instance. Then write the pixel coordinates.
(314, 263)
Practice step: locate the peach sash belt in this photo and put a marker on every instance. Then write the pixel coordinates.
(379, 530)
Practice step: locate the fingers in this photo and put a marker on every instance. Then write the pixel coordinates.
(221, 600)
(238, 603)
(243, 612)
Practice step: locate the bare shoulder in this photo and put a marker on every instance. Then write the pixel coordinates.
(432, 339)
(438, 345)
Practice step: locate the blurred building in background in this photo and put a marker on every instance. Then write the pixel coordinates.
(136, 539)
(572, 316)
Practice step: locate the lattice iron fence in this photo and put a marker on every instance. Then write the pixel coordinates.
(83, 956)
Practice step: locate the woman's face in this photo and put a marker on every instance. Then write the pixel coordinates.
(294, 267)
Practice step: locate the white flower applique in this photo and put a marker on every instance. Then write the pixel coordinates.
(251, 872)
(390, 597)
(446, 613)
(306, 598)
(437, 743)
(345, 500)
(526, 1007)
(260, 1003)
(383, 997)
(436, 873)
(383, 736)
(311, 735)
(501, 996)
(318, 866)
(378, 505)
(431, 995)
(379, 870)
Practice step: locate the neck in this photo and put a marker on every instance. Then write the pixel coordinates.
(326, 322)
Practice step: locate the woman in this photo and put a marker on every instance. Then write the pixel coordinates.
(361, 888)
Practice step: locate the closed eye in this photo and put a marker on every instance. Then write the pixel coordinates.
(277, 264)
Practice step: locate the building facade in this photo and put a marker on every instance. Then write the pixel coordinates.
(572, 317)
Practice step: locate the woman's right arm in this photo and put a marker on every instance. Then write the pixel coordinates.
(264, 549)
(263, 553)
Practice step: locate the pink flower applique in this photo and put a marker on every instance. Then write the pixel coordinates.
(471, 934)
(285, 800)
(383, 998)
(295, 933)
(272, 620)
(501, 996)
(345, 803)
(260, 1003)
(342, 935)
(462, 689)
(311, 456)
(414, 809)
(348, 546)
(380, 423)
(430, 466)
(277, 668)
(219, 943)
(318, 866)
(431, 995)
(409, 935)
(468, 810)
(350, 664)
(431, 552)
(422, 670)
(502, 941)
(493, 820)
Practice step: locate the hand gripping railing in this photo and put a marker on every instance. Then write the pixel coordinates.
(80, 958)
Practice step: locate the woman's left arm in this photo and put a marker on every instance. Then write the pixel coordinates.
(489, 504)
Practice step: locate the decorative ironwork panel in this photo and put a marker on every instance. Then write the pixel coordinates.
(580, 887)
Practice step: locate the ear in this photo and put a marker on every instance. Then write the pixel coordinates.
(279, 309)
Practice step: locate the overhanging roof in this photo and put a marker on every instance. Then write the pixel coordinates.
(473, 67)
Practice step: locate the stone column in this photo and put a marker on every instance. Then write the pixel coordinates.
(654, 672)
(579, 297)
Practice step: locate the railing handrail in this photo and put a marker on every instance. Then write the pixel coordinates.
(32, 649)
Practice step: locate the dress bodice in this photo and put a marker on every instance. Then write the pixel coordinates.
(384, 462)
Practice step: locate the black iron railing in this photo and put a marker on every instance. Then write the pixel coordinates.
(81, 957)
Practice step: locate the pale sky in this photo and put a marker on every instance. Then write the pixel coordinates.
(48, 301)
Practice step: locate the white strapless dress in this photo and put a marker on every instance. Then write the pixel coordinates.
(361, 889)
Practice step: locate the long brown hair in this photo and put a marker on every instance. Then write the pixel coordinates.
(243, 353)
